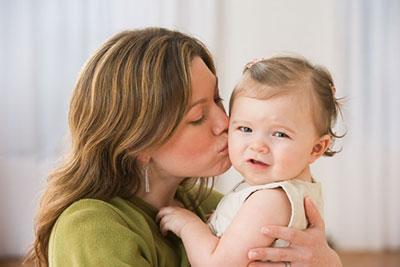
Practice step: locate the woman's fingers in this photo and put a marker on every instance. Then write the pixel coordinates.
(276, 255)
(293, 236)
(306, 248)
(313, 216)
(297, 237)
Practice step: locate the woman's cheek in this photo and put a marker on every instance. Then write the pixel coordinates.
(193, 149)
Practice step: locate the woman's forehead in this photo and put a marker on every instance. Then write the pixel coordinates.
(204, 82)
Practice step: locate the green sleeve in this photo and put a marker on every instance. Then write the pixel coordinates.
(206, 207)
(211, 202)
(91, 233)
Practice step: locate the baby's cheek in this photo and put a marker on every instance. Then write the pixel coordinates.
(286, 164)
(234, 154)
(296, 164)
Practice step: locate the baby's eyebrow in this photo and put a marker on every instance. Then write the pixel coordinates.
(282, 125)
(239, 122)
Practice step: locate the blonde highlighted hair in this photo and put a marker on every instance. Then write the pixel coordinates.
(130, 96)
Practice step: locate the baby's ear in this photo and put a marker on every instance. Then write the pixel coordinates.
(320, 147)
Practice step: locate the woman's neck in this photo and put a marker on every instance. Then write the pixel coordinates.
(162, 192)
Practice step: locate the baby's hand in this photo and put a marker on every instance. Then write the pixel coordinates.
(175, 219)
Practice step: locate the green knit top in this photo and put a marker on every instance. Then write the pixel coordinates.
(120, 232)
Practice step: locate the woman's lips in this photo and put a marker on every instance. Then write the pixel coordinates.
(224, 149)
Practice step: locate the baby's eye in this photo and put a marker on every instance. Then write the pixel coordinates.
(280, 135)
(245, 129)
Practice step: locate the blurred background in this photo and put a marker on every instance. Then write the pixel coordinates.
(44, 43)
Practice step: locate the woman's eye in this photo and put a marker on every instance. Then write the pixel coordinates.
(199, 121)
(245, 129)
(218, 99)
(280, 135)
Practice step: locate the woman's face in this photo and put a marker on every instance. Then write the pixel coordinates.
(199, 147)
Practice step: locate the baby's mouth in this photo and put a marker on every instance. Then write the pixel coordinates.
(257, 163)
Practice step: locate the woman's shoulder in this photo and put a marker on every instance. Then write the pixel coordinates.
(92, 229)
(89, 205)
(86, 212)
(87, 219)
(84, 215)
(89, 211)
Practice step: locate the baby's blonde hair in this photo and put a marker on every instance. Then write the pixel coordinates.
(267, 78)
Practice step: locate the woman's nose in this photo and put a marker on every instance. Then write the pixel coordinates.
(259, 147)
(221, 122)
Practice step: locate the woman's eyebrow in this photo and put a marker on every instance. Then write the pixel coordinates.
(204, 100)
(197, 102)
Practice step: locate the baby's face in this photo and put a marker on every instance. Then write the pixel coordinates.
(271, 140)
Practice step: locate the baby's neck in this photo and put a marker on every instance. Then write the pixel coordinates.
(305, 175)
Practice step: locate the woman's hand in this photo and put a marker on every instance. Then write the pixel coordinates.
(308, 248)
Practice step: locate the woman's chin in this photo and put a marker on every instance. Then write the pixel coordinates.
(226, 165)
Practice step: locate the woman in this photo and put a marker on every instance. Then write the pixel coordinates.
(146, 121)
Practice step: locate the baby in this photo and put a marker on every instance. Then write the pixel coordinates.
(281, 118)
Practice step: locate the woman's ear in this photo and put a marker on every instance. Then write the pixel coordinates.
(320, 147)
(144, 158)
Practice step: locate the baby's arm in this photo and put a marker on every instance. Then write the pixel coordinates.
(195, 234)
(269, 206)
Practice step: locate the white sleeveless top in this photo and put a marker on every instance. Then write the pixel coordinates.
(296, 190)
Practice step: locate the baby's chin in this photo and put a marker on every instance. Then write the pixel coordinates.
(255, 181)
(257, 178)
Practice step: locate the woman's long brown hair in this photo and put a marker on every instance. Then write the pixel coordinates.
(130, 96)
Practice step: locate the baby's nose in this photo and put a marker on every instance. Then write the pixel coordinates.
(259, 147)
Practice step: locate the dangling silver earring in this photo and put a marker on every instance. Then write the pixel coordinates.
(146, 179)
